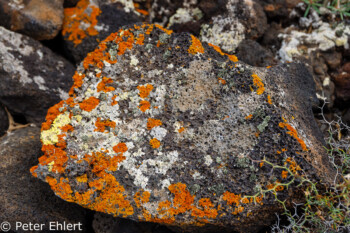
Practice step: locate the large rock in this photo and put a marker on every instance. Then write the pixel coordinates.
(23, 198)
(33, 78)
(91, 21)
(39, 19)
(161, 127)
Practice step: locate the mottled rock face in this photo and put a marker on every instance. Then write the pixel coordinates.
(39, 19)
(33, 78)
(24, 198)
(161, 127)
(91, 21)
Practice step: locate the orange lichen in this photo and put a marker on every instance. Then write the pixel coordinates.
(181, 129)
(258, 84)
(61, 189)
(67, 128)
(155, 143)
(74, 18)
(82, 178)
(222, 81)
(84, 199)
(218, 49)
(206, 209)
(89, 104)
(112, 199)
(101, 125)
(269, 99)
(54, 154)
(149, 29)
(52, 113)
(151, 123)
(232, 198)
(292, 165)
(140, 39)
(250, 116)
(196, 46)
(164, 29)
(99, 56)
(144, 91)
(292, 132)
(120, 148)
(144, 12)
(141, 197)
(78, 82)
(238, 210)
(114, 102)
(284, 174)
(182, 198)
(276, 187)
(101, 86)
(144, 105)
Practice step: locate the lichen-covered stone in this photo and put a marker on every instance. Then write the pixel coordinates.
(39, 19)
(242, 20)
(325, 38)
(23, 198)
(33, 78)
(161, 127)
(91, 21)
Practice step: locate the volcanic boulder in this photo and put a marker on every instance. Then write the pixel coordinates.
(160, 127)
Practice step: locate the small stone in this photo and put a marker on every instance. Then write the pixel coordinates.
(252, 53)
(23, 198)
(342, 83)
(167, 125)
(333, 59)
(33, 78)
(39, 19)
(240, 20)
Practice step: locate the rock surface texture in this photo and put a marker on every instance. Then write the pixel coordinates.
(91, 21)
(24, 198)
(39, 19)
(105, 223)
(33, 78)
(4, 121)
(225, 23)
(160, 127)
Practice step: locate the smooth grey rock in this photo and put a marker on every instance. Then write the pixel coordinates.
(33, 78)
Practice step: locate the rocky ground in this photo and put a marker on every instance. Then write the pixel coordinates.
(43, 43)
